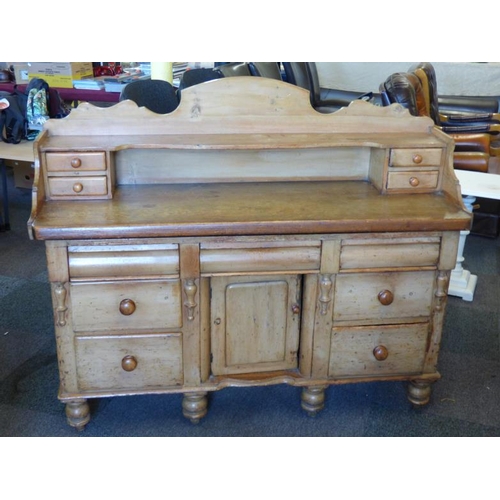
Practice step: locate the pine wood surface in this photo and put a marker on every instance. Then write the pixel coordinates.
(252, 208)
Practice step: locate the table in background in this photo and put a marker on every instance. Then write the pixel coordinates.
(74, 95)
(17, 152)
(473, 184)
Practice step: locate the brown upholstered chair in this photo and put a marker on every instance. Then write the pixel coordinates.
(472, 149)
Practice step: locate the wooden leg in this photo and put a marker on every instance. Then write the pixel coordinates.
(194, 406)
(78, 413)
(419, 392)
(313, 399)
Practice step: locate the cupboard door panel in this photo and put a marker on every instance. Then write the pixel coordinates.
(255, 324)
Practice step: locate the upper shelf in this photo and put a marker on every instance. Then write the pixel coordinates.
(238, 106)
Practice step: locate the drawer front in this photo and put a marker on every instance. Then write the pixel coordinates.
(415, 157)
(81, 186)
(413, 180)
(129, 362)
(75, 162)
(126, 305)
(372, 351)
(111, 262)
(380, 297)
(279, 259)
(373, 254)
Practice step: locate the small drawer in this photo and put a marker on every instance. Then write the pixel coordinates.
(413, 180)
(394, 253)
(78, 187)
(247, 259)
(379, 350)
(75, 162)
(383, 297)
(415, 157)
(122, 261)
(126, 305)
(129, 362)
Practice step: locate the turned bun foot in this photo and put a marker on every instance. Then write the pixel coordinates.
(419, 392)
(313, 399)
(194, 406)
(78, 413)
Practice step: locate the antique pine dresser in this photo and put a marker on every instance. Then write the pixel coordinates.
(245, 239)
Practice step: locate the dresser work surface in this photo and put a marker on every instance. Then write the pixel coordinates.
(245, 239)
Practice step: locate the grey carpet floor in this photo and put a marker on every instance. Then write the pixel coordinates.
(465, 402)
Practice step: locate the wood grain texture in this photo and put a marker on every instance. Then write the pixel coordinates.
(253, 208)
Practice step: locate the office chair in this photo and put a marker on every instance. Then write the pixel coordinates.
(158, 96)
(196, 76)
(487, 118)
(472, 149)
(265, 70)
(324, 100)
(235, 69)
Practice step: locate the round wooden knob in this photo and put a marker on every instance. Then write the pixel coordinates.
(76, 162)
(380, 352)
(78, 187)
(414, 181)
(129, 363)
(127, 307)
(417, 159)
(385, 297)
(295, 309)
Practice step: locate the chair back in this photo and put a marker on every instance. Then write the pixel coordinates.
(235, 69)
(196, 76)
(296, 74)
(405, 89)
(427, 75)
(158, 96)
(265, 69)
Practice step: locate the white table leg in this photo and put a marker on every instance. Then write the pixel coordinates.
(462, 282)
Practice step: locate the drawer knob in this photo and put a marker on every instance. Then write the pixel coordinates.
(385, 297)
(380, 352)
(76, 162)
(295, 309)
(127, 307)
(129, 363)
(414, 181)
(417, 159)
(78, 187)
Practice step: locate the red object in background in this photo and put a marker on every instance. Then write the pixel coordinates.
(110, 70)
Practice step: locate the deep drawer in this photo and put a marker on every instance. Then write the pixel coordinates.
(78, 186)
(415, 157)
(75, 162)
(129, 362)
(386, 350)
(126, 305)
(380, 297)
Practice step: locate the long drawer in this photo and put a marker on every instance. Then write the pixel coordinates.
(120, 261)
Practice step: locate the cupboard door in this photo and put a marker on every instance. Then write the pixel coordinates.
(255, 323)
